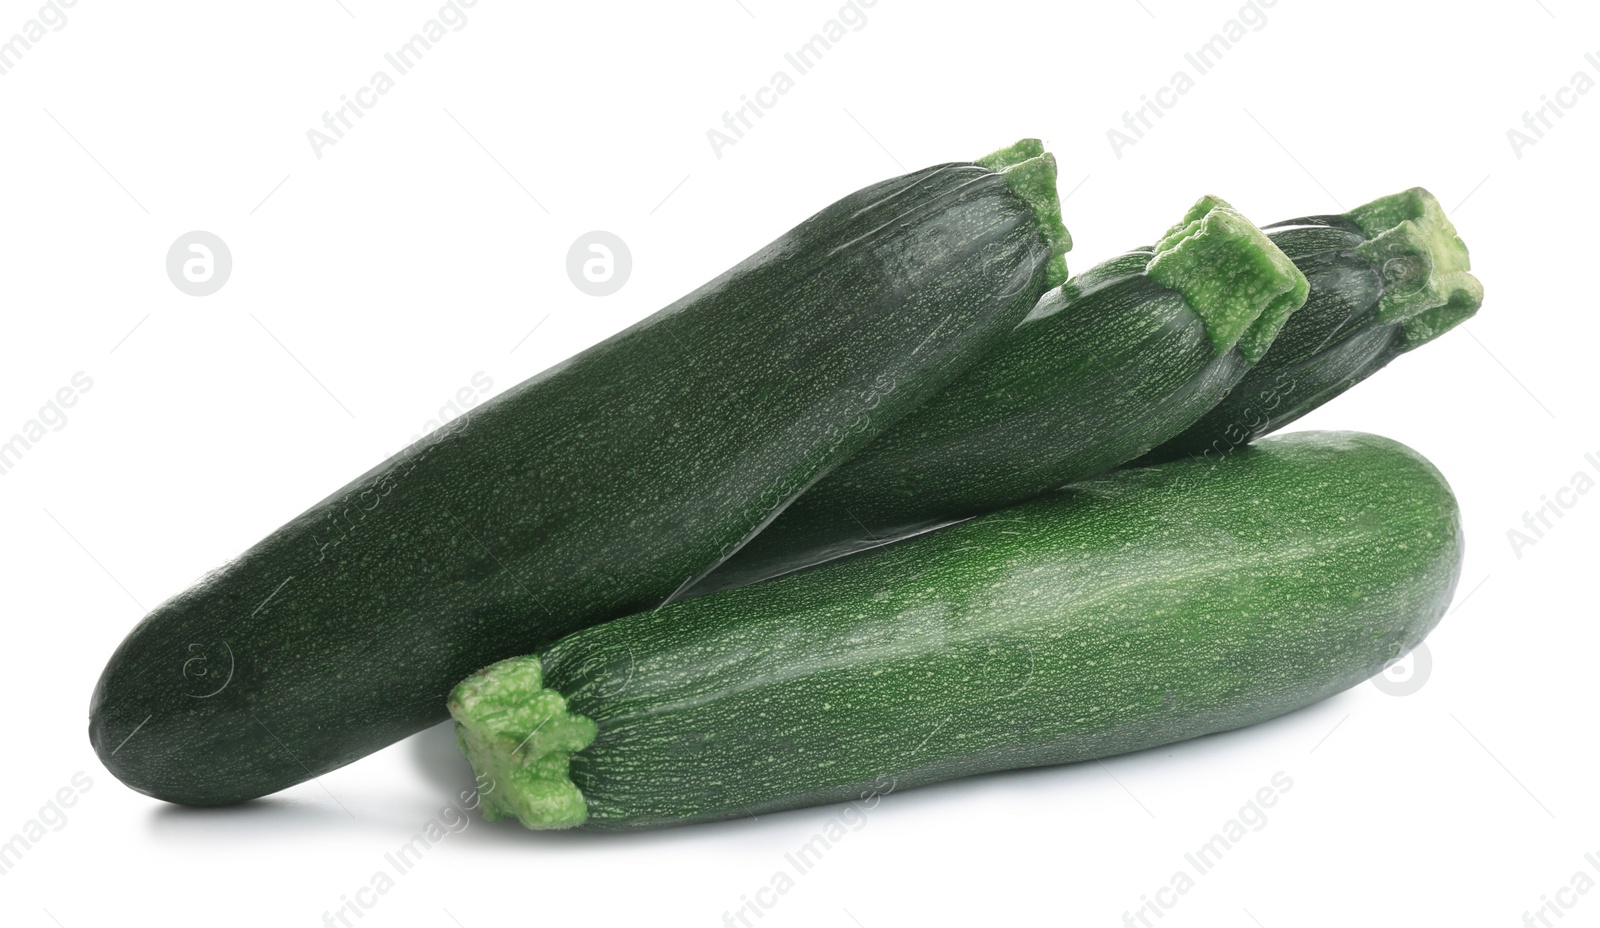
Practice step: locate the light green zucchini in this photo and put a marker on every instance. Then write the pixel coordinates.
(1147, 607)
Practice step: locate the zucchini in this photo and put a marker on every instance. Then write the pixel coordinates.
(1147, 607)
(1386, 277)
(1111, 364)
(589, 491)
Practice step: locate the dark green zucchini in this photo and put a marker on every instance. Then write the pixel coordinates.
(1385, 278)
(1147, 607)
(1111, 364)
(592, 490)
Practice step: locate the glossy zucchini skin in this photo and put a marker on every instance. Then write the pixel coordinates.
(589, 491)
(1150, 606)
(1385, 278)
(1116, 361)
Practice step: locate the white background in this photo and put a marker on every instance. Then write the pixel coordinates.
(372, 283)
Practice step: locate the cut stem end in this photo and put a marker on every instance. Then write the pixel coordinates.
(1030, 171)
(519, 738)
(1423, 261)
(1239, 283)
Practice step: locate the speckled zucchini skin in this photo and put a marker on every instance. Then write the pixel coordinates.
(1143, 608)
(589, 491)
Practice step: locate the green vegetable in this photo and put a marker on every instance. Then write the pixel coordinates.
(1147, 607)
(1385, 278)
(1118, 360)
(589, 491)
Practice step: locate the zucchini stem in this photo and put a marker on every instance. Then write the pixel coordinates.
(1239, 283)
(519, 737)
(1423, 261)
(1030, 172)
